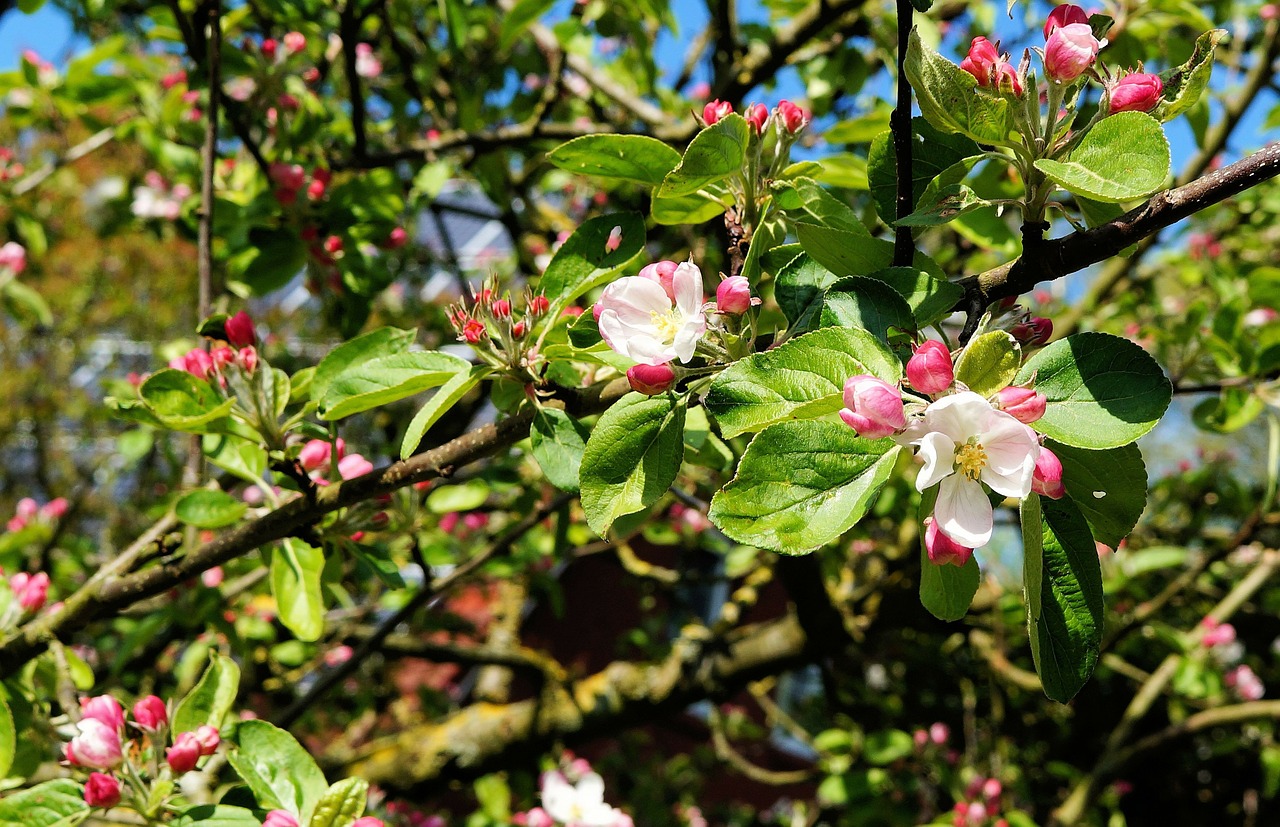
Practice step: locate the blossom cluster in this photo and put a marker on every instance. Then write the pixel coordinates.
(966, 442)
(573, 796)
(120, 763)
(787, 116)
(497, 327)
(156, 198)
(238, 350)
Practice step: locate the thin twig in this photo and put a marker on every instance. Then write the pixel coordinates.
(900, 122)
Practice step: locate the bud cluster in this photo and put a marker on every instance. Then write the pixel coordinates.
(496, 327)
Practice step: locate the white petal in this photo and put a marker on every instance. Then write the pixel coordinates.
(963, 511)
(634, 295)
(959, 416)
(939, 454)
(687, 339)
(686, 283)
(1011, 449)
(590, 790)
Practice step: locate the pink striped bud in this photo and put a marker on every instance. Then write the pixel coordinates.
(353, 466)
(184, 754)
(757, 115)
(368, 821)
(651, 380)
(280, 818)
(1216, 633)
(930, 370)
(733, 296)
(1024, 404)
(1138, 92)
(295, 42)
(101, 791)
(1047, 479)
(1069, 52)
(1034, 332)
(792, 117)
(103, 708)
(208, 738)
(30, 590)
(96, 746)
(663, 272)
(1064, 15)
(150, 713)
(873, 407)
(715, 111)
(942, 549)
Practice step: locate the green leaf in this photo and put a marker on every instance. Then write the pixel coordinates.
(28, 302)
(929, 297)
(1102, 391)
(211, 699)
(279, 772)
(1229, 411)
(800, 379)
(8, 739)
(583, 261)
(272, 260)
(388, 379)
(631, 458)
(637, 158)
(244, 458)
(217, 815)
(811, 198)
(1067, 631)
(342, 803)
(933, 153)
(56, 802)
(558, 441)
(1184, 85)
(951, 100)
(670, 210)
(1123, 157)
(946, 203)
(209, 509)
(30, 6)
(1109, 487)
(1030, 516)
(946, 591)
(845, 253)
(801, 485)
(799, 287)
(295, 584)
(464, 496)
(886, 746)
(182, 402)
(364, 348)
(861, 302)
(989, 362)
(715, 153)
(517, 21)
(439, 404)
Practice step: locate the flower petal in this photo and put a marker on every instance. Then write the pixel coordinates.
(959, 416)
(939, 454)
(1011, 449)
(963, 511)
(686, 283)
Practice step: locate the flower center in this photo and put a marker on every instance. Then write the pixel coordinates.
(665, 325)
(970, 459)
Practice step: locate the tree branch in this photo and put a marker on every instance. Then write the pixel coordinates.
(900, 121)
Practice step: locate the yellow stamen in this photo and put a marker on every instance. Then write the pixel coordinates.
(971, 458)
(666, 325)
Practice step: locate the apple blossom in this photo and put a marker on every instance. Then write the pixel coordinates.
(56, 508)
(1070, 51)
(354, 465)
(757, 115)
(13, 256)
(96, 746)
(930, 370)
(792, 117)
(103, 708)
(367, 63)
(315, 454)
(1136, 92)
(639, 321)
(1047, 479)
(30, 590)
(1064, 15)
(537, 817)
(150, 713)
(101, 791)
(873, 407)
(295, 42)
(280, 818)
(715, 111)
(184, 754)
(208, 738)
(733, 296)
(651, 380)
(965, 442)
(989, 67)
(581, 804)
(1216, 633)
(1024, 404)
(942, 549)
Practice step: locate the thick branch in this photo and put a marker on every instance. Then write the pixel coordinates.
(903, 246)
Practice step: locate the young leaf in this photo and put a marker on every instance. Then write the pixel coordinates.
(211, 699)
(714, 154)
(844, 253)
(295, 584)
(1122, 158)
(632, 457)
(809, 197)
(558, 441)
(1184, 85)
(801, 485)
(951, 100)
(182, 402)
(59, 802)
(1067, 633)
(584, 261)
(276, 768)
(217, 815)
(989, 362)
(800, 379)
(364, 348)
(458, 386)
(636, 158)
(8, 739)
(209, 509)
(1103, 391)
(386, 379)
(342, 803)
(945, 591)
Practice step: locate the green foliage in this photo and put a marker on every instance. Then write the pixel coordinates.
(951, 100)
(277, 769)
(584, 262)
(989, 362)
(714, 154)
(558, 442)
(49, 804)
(208, 703)
(636, 158)
(385, 379)
(1124, 157)
(342, 803)
(295, 583)
(209, 509)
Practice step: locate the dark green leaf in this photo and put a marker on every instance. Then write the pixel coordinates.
(281, 774)
(631, 458)
(558, 441)
(858, 301)
(584, 261)
(295, 584)
(715, 153)
(1109, 487)
(637, 158)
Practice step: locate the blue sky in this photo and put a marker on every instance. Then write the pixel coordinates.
(47, 31)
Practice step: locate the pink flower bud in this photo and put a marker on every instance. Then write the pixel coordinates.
(1064, 15)
(539, 305)
(13, 256)
(1070, 51)
(873, 407)
(184, 753)
(538, 817)
(939, 733)
(222, 356)
(103, 708)
(715, 111)
(269, 48)
(150, 713)
(1047, 479)
(473, 331)
(212, 578)
(519, 329)
(30, 590)
(930, 370)
(27, 508)
(757, 115)
(1217, 633)
(368, 821)
(101, 791)
(1138, 92)
(333, 245)
(353, 466)
(314, 455)
(733, 296)
(920, 738)
(502, 309)
(651, 380)
(295, 42)
(792, 117)
(288, 176)
(396, 239)
(1245, 682)
(338, 655)
(196, 362)
(367, 63)
(663, 272)
(247, 359)
(991, 789)
(614, 241)
(1034, 332)
(942, 549)
(208, 738)
(55, 509)
(280, 818)
(96, 746)
(1024, 404)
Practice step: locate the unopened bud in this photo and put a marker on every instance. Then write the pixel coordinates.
(873, 407)
(1138, 92)
(733, 296)
(715, 111)
(930, 370)
(1047, 479)
(1034, 332)
(1024, 404)
(757, 115)
(651, 380)
(1064, 15)
(942, 549)
(792, 117)
(239, 330)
